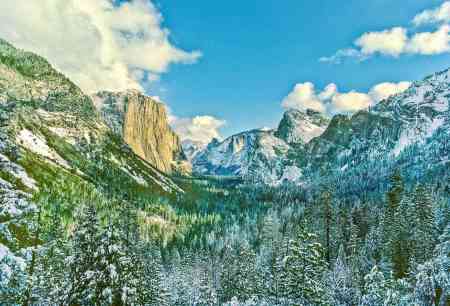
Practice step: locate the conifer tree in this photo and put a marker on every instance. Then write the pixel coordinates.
(116, 283)
(305, 266)
(424, 231)
(343, 290)
(82, 265)
(327, 221)
(375, 288)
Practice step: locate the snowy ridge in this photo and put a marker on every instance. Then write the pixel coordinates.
(306, 142)
(262, 154)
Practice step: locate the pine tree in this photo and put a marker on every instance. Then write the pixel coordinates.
(343, 290)
(83, 270)
(51, 272)
(424, 231)
(375, 288)
(115, 281)
(206, 293)
(304, 267)
(394, 197)
(247, 282)
(327, 220)
(393, 241)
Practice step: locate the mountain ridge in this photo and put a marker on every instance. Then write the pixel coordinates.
(387, 131)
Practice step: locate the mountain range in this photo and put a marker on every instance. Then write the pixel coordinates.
(409, 130)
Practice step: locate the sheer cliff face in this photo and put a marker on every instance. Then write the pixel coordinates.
(142, 122)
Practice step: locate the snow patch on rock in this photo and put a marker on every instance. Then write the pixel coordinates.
(38, 145)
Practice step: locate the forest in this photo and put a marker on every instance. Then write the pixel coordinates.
(223, 243)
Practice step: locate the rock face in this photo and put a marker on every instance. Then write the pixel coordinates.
(142, 123)
(300, 127)
(256, 155)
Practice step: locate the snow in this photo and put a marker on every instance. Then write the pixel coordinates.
(38, 145)
(140, 180)
(63, 133)
(291, 173)
(17, 171)
(411, 136)
(9, 265)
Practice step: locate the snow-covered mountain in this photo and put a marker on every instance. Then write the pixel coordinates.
(300, 127)
(192, 148)
(409, 130)
(262, 154)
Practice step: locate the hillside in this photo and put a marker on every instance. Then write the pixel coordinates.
(53, 140)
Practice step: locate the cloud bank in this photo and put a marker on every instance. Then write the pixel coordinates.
(98, 44)
(331, 101)
(397, 41)
(199, 129)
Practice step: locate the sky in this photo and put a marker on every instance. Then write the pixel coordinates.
(222, 67)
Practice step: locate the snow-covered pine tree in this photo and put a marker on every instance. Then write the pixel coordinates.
(425, 228)
(432, 278)
(304, 267)
(52, 273)
(375, 288)
(82, 264)
(206, 293)
(343, 290)
(116, 283)
(247, 281)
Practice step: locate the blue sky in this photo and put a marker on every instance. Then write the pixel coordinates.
(244, 62)
(254, 52)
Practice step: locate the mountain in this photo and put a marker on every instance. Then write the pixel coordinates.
(409, 131)
(245, 155)
(262, 155)
(192, 148)
(53, 141)
(300, 127)
(142, 123)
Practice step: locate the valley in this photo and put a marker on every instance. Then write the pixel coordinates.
(102, 203)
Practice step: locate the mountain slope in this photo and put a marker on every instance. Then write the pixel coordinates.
(53, 141)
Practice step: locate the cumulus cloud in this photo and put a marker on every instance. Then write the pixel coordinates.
(390, 42)
(429, 43)
(331, 101)
(350, 102)
(303, 97)
(385, 90)
(100, 45)
(437, 15)
(397, 41)
(199, 129)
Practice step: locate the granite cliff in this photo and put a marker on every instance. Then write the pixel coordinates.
(142, 123)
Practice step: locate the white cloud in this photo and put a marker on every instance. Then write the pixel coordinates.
(303, 97)
(99, 45)
(390, 42)
(350, 102)
(385, 90)
(437, 15)
(429, 43)
(343, 54)
(331, 101)
(199, 129)
(397, 41)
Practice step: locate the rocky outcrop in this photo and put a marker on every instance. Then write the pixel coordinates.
(301, 126)
(142, 122)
